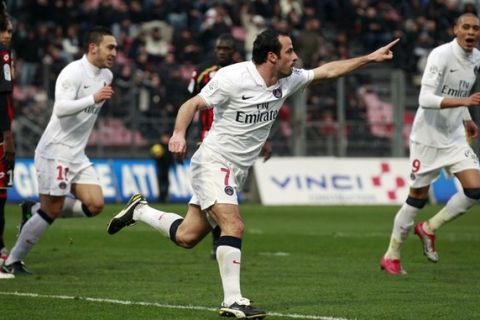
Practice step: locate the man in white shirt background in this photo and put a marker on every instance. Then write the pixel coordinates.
(438, 140)
(246, 98)
(62, 166)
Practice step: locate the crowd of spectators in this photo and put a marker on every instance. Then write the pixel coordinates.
(161, 41)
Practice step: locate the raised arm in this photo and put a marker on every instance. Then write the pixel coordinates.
(335, 69)
(178, 144)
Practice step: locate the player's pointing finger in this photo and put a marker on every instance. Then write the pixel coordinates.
(391, 44)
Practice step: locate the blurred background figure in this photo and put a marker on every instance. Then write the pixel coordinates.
(163, 160)
(7, 142)
(224, 53)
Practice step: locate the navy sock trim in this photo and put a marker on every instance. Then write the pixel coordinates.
(229, 241)
(417, 203)
(216, 233)
(472, 193)
(173, 229)
(215, 236)
(45, 216)
(87, 212)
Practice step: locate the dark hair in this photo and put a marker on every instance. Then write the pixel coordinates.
(228, 39)
(95, 35)
(4, 17)
(267, 41)
(467, 14)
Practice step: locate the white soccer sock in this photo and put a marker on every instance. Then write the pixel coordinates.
(162, 221)
(72, 208)
(228, 259)
(458, 204)
(32, 230)
(402, 224)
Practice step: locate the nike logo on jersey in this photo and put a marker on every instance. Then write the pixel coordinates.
(453, 70)
(236, 262)
(244, 97)
(86, 87)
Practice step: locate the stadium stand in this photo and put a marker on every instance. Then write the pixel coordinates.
(161, 40)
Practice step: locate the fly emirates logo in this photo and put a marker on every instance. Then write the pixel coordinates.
(91, 109)
(463, 90)
(261, 115)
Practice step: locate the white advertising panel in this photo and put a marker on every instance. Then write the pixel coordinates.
(317, 181)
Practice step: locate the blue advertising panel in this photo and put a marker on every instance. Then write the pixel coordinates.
(119, 180)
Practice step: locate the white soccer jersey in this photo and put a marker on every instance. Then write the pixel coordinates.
(74, 112)
(450, 72)
(245, 109)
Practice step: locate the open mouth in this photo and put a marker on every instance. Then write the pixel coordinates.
(470, 41)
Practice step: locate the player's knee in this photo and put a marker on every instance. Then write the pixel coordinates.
(181, 236)
(416, 202)
(187, 241)
(92, 209)
(235, 228)
(472, 193)
(238, 230)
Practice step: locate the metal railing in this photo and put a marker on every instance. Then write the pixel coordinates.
(342, 136)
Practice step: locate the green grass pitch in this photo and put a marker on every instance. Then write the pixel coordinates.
(297, 263)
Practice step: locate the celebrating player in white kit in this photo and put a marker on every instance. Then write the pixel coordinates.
(438, 140)
(246, 98)
(62, 166)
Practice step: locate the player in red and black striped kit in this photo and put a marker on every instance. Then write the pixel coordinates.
(224, 52)
(7, 145)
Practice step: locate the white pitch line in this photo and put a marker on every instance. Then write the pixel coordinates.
(158, 305)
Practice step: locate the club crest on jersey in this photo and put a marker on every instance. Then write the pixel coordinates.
(66, 84)
(277, 93)
(471, 155)
(229, 190)
(434, 70)
(212, 85)
(6, 57)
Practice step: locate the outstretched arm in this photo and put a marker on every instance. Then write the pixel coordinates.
(178, 144)
(335, 69)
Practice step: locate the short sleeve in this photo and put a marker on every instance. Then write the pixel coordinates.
(217, 91)
(299, 79)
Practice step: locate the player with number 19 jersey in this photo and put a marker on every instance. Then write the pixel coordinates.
(243, 117)
(438, 138)
(74, 112)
